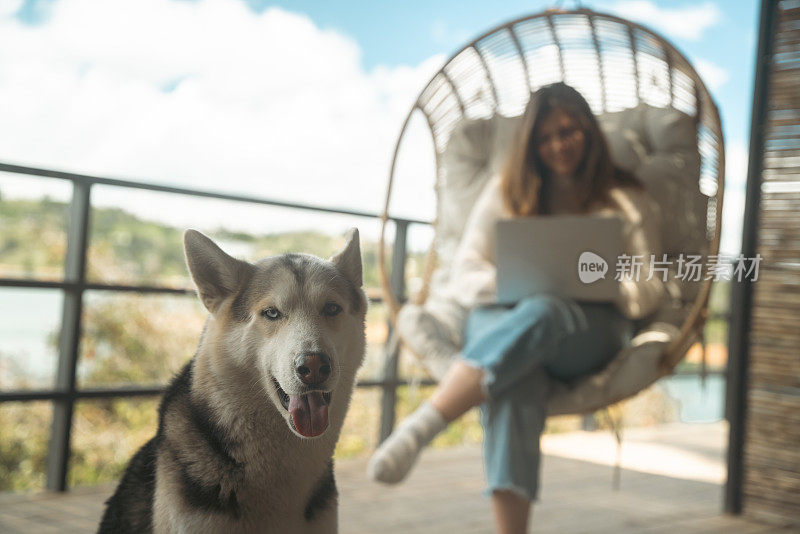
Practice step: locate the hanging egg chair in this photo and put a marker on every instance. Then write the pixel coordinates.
(661, 124)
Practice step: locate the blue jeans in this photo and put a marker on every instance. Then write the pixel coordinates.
(521, 350)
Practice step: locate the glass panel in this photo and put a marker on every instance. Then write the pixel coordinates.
(419, 240)
(34, 214)
(360, 431)
(377, 329)
(137, 339)
(105, 436)
(716, 327)
(410, 366)
(24, 438)
(107, 433)
(136, 236)
(30, 320)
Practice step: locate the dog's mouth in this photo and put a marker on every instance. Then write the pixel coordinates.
(308, 412)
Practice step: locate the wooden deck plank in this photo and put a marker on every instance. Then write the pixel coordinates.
(444, 494)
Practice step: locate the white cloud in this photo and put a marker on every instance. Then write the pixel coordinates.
(712, 74)
(682, 22)
(207, 95)
(9, 7)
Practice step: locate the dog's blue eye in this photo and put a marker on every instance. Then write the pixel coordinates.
(271, 313)
(331, 309)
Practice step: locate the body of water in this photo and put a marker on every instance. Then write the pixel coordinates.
(29, 320)
(698, 403)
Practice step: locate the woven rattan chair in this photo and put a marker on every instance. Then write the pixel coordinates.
(617, 65)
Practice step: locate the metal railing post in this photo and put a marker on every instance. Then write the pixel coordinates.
(69, 338)
(392, 349)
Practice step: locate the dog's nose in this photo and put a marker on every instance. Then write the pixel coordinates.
(313, 368)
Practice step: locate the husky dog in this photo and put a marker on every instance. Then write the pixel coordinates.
(247, 429)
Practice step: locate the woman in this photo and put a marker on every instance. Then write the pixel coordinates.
(560, 163)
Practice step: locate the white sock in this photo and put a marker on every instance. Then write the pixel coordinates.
(395, 457)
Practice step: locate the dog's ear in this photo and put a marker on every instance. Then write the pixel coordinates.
(348, 260)
(215, 274)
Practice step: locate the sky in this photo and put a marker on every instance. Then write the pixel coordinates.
(299, 101)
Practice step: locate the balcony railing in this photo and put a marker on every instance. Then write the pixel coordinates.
(74, 284)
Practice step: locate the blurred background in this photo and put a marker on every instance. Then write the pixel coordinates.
(296, 105)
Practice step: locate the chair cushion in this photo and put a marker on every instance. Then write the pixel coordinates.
(475, 152)
(659, 146)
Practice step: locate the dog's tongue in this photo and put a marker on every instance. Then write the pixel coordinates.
(309, 413)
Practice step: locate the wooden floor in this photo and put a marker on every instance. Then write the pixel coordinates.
(671, 482)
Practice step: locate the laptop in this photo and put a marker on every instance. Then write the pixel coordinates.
(569, 255)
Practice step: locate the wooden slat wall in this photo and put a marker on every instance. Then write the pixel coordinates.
(772, 440)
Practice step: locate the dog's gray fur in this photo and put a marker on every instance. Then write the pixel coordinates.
(227, 457)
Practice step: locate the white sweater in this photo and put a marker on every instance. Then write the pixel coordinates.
(473, 278)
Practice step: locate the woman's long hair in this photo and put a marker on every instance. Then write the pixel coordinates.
(526, 181)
